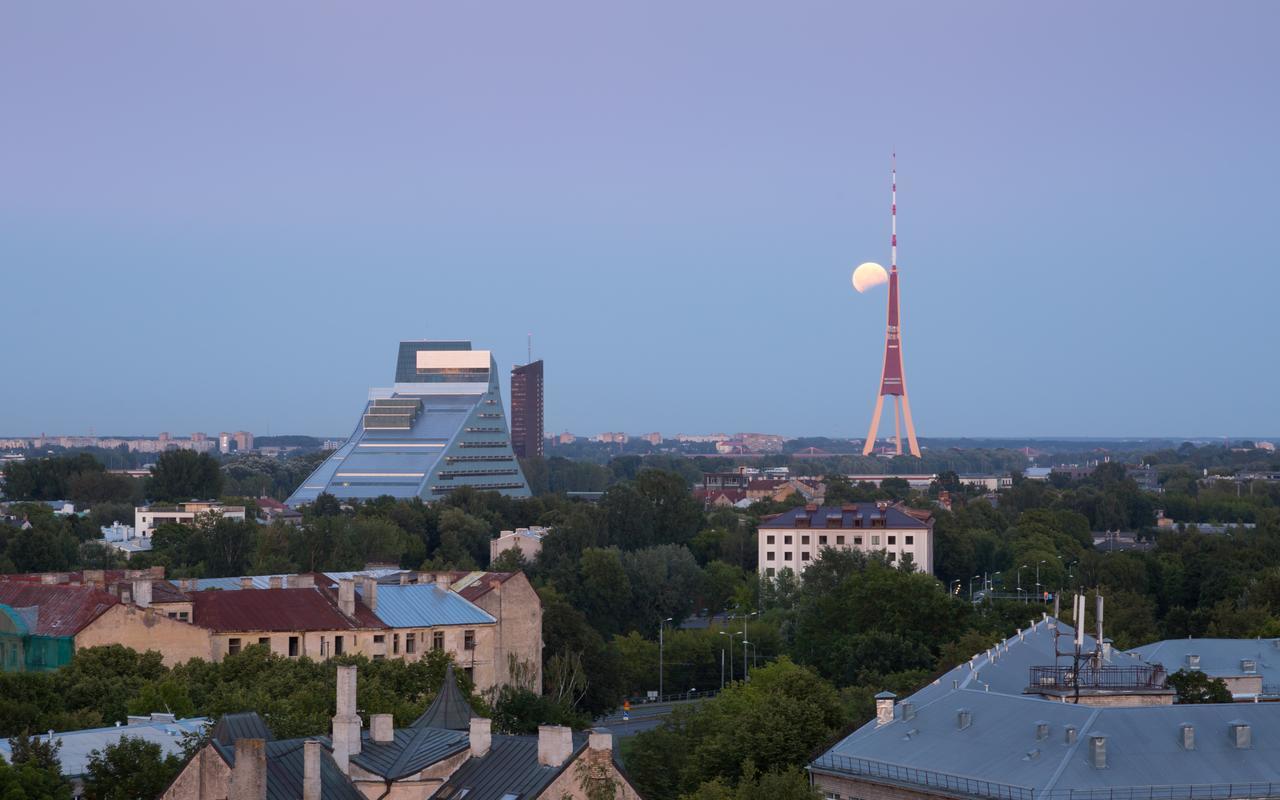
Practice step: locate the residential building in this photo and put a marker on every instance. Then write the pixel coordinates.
(76, 747)
(984, 730)
(566, 438)
(123, 539)
(794, 539)
(1249, 667)
(440, 427)
(528, 541)
(147, 518)
(613, 438)
(654, 438)
(991, 483)
(447, 753)
(526, 409)
(243, 440)
(271, 510)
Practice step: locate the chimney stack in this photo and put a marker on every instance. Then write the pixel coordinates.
(249, 774)
(347, 596)
(346, 723)
(142, 593)
(382, 728)
(94, 577)
(311, 770)
(884, 707)
(369, 592)
(1098, 751)
(1188, 736)
(275, 582)
(305, 581)
(482, 737)
(246, 582)
(555, 745)
(600, 741)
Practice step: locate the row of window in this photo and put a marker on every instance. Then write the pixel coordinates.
(822, 540)
(770, 555)
(235, 643)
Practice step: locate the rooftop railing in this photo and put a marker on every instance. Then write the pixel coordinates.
(1202, 791)
(1113, 678)
(882, 771)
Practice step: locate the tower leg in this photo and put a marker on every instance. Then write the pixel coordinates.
(911, 428)
(897, 424)
(875, 425)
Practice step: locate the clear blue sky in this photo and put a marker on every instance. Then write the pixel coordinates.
(225, 215)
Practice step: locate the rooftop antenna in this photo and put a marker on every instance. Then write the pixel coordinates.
(530, 356)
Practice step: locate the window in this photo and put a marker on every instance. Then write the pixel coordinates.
(233, 646)
(893, 556)
(786, 540)
(804, 556)
(893, 540)
(786, 555)
(293, 647)
(265, 640)
(337, 645)
(875, 540)
(410, 644)
(173, 615)
(857, 540)
(469, 640)
(804, 540)
(183, 616)
(324, 647)
(769, 539)
(471, 672)
(839, 540)
(822, 540)
(437, 640)
(395, 643)
(769, 556)
(378, 638)
(910, 539)
(769, 572)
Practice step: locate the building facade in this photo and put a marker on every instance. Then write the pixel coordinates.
(440, 427)
(147, 518)
(526, 410)
(796, 538)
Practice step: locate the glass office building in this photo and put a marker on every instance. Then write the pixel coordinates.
(440, 427)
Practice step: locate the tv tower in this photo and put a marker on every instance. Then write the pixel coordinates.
(893, 381)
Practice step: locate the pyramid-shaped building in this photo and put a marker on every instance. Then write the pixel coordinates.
(440, 427)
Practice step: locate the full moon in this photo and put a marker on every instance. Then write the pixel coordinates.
(869, 275)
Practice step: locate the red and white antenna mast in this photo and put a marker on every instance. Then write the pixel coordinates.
(893, 214)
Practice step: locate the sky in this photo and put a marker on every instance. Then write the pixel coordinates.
(224, 216)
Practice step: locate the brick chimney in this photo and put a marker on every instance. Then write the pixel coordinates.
(600, 741)
(94, 577)
(305, 581)
(246, 582)
(884, 707)
(382, 728)
(346, 723)
(142, 593)
(275, 582)
(555, 745)
(311, 770)
(369, 592)
(347, 596)
(249, 774)
(482, 736)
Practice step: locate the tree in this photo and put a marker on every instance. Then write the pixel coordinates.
(131, 768)
(1196, 687)
(183, 475)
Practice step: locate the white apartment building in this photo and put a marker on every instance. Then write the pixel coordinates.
(795, 539)
(147, 518)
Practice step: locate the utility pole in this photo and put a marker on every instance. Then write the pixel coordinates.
(661, 627)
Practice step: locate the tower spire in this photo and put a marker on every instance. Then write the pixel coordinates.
(893, 381)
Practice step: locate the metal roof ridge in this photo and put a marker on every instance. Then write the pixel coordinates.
(1043, 794)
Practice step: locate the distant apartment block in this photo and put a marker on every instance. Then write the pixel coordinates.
(147, 518)
(751, 443)
(528, 541)
(795, 539)
(701, 438)
(613, 438)
(526, 410)
(654, 439)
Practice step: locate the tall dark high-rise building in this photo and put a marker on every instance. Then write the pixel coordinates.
(526, 409)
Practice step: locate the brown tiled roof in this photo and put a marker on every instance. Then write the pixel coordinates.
(276, 610)
(62, 610)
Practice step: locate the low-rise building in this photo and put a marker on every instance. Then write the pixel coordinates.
(527, 541)
(147, 518)
(794, 539)
(1249, 667)
(447, 753)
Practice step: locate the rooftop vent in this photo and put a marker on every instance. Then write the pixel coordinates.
(1032, 754)
(1248, 666)
(1098, 751)
(964, 718)
(1069, 734)
(1188, 736)
(1193, 661)
(908, 710)
(1241, 735)
(1042, 731)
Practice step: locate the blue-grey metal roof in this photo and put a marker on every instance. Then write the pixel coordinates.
(999, 755)
(285, 763)
(410, 751)
(264, 581)
(509, 768)
(450, 709)
(1220, 658)
(851, 515)
(77, 745)
(241, 725)
(426, 605)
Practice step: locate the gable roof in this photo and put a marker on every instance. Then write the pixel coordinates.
(410, 751)
(60, 610)
(285, 770)
(509, 768)
(450, 710)
(1219, 658)
(425, 605)
(312, 609)
(241, 725)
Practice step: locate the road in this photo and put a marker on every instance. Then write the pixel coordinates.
(644, 717)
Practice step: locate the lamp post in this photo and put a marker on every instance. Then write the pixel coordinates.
(730, 635)
(745, 675)
(1021, 567)
(1039, 591)
(722, 669)
(661, 627)
(971, 580)
(955, 589)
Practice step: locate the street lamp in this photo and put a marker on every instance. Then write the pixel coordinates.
(971, 580)
(661, 627)
(731, 635)
(745, 675)
(1020, 569)
(1039, 591)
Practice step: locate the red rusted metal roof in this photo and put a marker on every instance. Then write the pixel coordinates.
(276, 610)
(63, 610)
(482, 585)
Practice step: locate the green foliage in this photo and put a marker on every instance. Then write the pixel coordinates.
(1193, 686)
(181, 475)
(47, 478)
(31, 782)
(788, 784)
(521, 711)
(132, 768)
